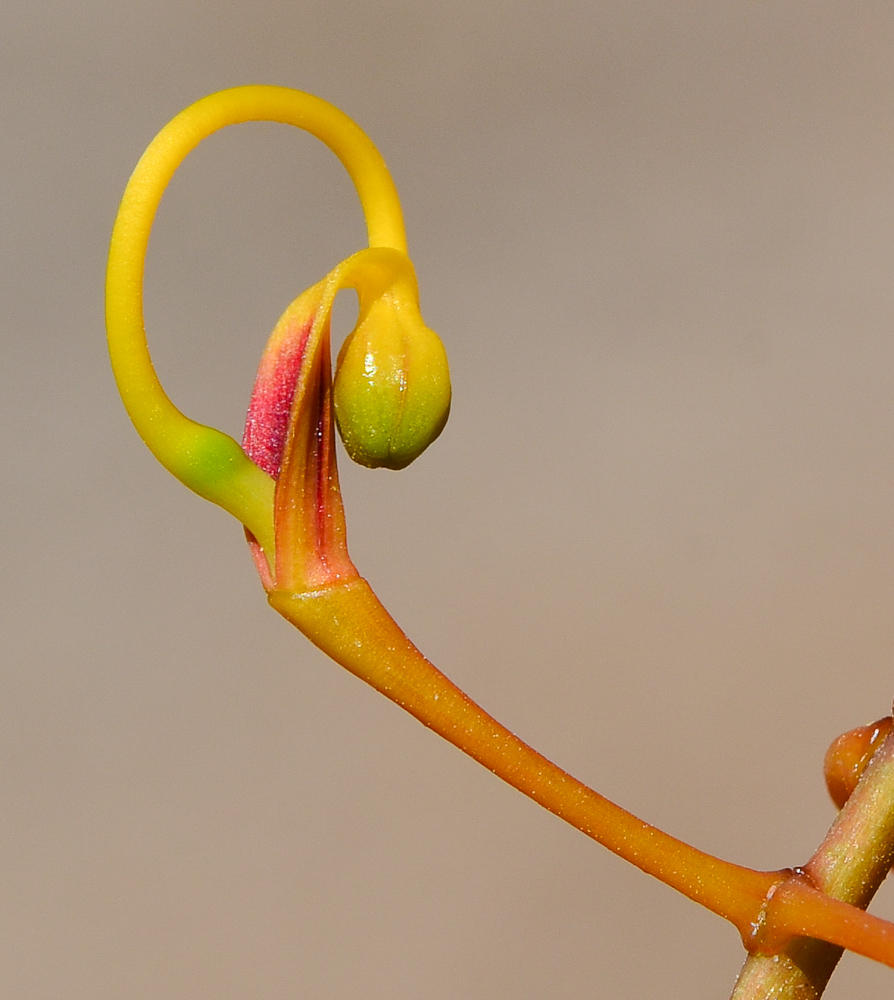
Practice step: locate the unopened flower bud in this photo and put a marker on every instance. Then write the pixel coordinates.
(392, 384)
(847, 757)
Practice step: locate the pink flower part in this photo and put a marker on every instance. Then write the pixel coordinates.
(267, 423)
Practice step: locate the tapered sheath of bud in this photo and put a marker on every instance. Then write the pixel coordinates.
(289, 433)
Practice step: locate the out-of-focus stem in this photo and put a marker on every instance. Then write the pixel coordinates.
(849, 865)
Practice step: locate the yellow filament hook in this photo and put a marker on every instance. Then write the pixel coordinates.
(206, 460)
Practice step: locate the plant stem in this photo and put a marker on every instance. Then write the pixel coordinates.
(849, 865)
(348, 623)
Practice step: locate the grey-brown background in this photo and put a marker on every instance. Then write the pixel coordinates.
(656, 538)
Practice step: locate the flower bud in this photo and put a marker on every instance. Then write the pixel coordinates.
(847, 757)
(392, 383)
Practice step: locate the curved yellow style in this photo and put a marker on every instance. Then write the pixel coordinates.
(206, 460)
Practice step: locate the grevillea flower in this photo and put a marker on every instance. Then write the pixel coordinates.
(391, 396)
(392, 385)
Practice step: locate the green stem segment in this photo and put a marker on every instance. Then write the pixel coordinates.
(849, 866)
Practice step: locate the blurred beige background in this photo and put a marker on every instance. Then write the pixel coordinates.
(656, 538)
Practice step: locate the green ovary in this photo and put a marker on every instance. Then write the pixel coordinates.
(392, 385)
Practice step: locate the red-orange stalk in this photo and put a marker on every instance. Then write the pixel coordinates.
(348, 622)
